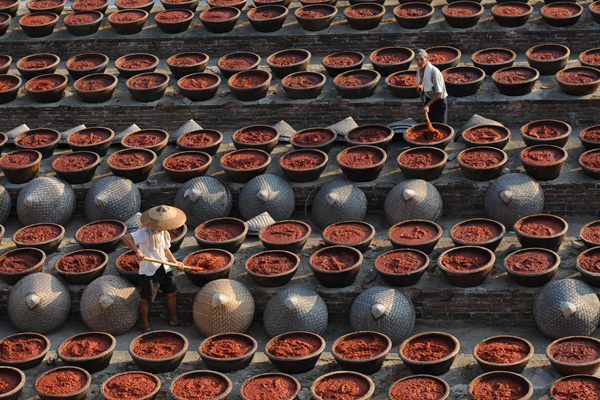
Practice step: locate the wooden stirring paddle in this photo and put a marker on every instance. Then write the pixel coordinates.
(165, 262)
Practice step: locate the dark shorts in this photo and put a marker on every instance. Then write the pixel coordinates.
(161, 280)
(438, 111)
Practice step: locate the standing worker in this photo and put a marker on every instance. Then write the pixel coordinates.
(154, 241)
(431, 85)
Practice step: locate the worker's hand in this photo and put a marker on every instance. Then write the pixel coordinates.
(140, 256)
(179, 265)
(420, 87)
(426, 110)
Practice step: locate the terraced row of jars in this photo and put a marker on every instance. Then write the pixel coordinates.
(270, 16)
(247, 83)
(359, 354)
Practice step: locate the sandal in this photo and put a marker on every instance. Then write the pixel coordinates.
(182, 322)
(148, 329)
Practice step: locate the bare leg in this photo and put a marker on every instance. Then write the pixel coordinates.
(172, 307)
(144, 306)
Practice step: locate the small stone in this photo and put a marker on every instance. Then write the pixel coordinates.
(187, 101)
(52, 361)
(452, 156)
(152, 182)
(370, 276)
(304, 394)
(577, 245)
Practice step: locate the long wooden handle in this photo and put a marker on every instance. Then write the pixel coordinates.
(164, 262)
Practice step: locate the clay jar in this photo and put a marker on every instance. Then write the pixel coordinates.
(431, 352)
(38, 24)
(479, 231)
(83, 22)
(357, 84)
(41, 139)
(515, 81)
(222, 233)
(239, 4)
(463, 81)
(546, 131)
(492, 59)
(363, 351)
(183, 64)
(548, 58)
(134, 164)
(149, 86)
(250, 85)
(503, 353)
(184, 166)
(337, 385)
(336, 266)
(206, 140)
(590, 234)
(243, 165)
(87, 349)
(261, 137)
(134, 4)
(374, 135)
(543, 162)
(76, 161)
(403, 79)
(575, 355)
(316, 16)
(337, 63)
(313, 138)
(388, 60)
(37, 64)
(591, 57)
(128, 262)
(95, 139)
(491, 385)
(295, 352)
(466, 266)
(13, 381)
(541, 230)
(220, 19)
(482, 163)
(9, 88)
(561, 14)
(100, 232)
(443, 57)
(303, 85)
(158, 351)
(21, 166)
(402, 267)
(82, 266)
(413, 15)
(588, 262)
(48, 88)
(23, 350)
(496, 136)
(149, 139)
(271, 386)
(417, 234)
(590, 163)
(285, 62)
(303, 165)
(364, 16)
(267, 18)
(579, 385)
(462, 14)
(578, 81)
(273, 263)
(413, 387)
(208, 265)
(227, 352)
(137, 63)
(199, 86)
(131, 386)
(420, 135)
(511, 14)
(209, 384)
(53, 6)
(46, 237)
(96, 88)
(287, 235)
(362, 163)
(128, 22)
(174, 21)
(63, 381)
(357, 234)
(90, 5)
(233, 63)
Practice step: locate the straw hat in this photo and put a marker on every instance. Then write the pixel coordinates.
(163, 218)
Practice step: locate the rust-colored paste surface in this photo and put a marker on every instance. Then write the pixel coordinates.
(361, 346)
(89, 136)
(266, 13)
(9, 380)
(131, 3)
(61, 382)
(237, 61)
(476, 231)
(360, 157)
(404, 79)
(577, 387)
(342, 387)
(482, 158)
(19, 261)
(37, 19)
(313, 137)
(220, 231)
(94, 83)
(172, 16)
(198, 81)
(294, 345)
(136, 62)
(130, 159)
(514, 75)
(186, 59)
(591, 232)
(462, 259)
(124, 17)
(591, 134)
(461, 76)
(146, 81)
(302, 160)
(530, 261)
(40, 84)
(368, 134)
(440, 55)
(302, 80)
(228, 346)
(284, 232)
(414, 232)
(400, 261)
(390, 56)
(560, 10)
(198, 139)
(158, 346)
(314, 12)
(579, 77)
(249, 79)
(422, 134)
(186, 161)
(418, 388)
(341, 59)
(206, 261)
(354, 78)
(575, 351)
(37, 138)
(199, 386)
(428, 348)
(492, 57)
(547, 53)
(128, 262)
(82, 5)
(461, 10)
(18, 159)
(224, 2)
(43, 4)
(590, 261)
(503, 350)
(542, 155)
(80, 262)
(130, 386)
(334, 259)
(274, 387)
(347, 233)
(545, 129)
(540, 226)
(81, 18)
(99, 232)
(511, 10)
(37, 233)
(591, 160)
(503, 387)
(73, 162)
(247, 159)
(7, 82)
(255, 135)
(412, 11)
(362, 11)
(485, 134)
(592, 57)
(21, 348)
(86, 346)
(271, 263)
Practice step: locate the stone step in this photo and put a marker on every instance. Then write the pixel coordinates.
(498, 299)
(539, 371)
(487, 33)
(173, 109)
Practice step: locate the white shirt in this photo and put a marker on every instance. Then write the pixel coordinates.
(433, 81)
(143, 240)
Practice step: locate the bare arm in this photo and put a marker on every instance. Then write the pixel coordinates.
(433, 100)
(171, 258)
(128, 240)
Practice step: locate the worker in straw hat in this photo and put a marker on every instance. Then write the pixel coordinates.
(153, 241)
